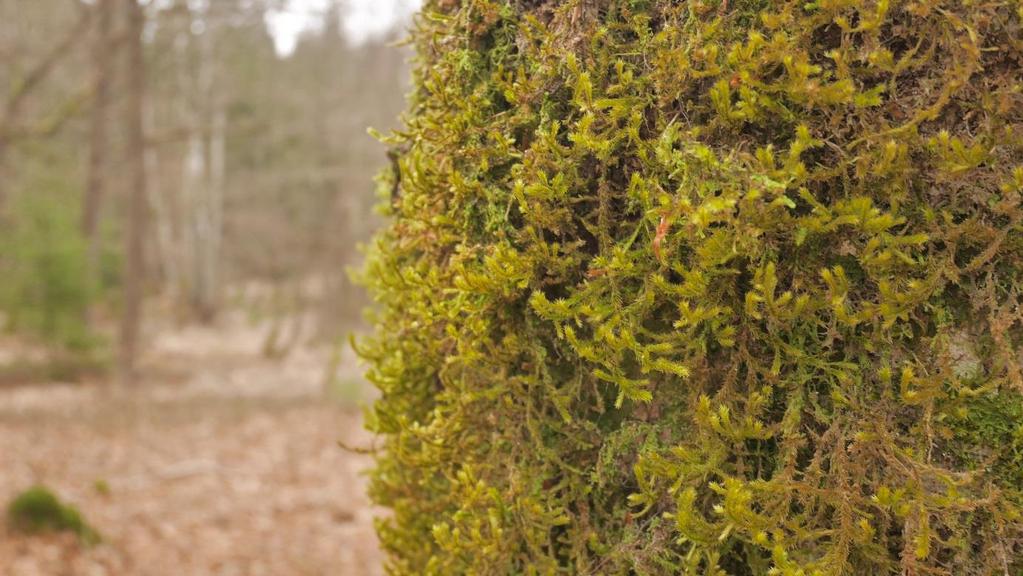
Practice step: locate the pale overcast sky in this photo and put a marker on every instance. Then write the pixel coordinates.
(363, 19)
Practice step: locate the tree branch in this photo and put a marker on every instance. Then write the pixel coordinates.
(35, 77)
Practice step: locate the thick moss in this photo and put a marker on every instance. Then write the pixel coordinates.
(990, 437)
(704, 287)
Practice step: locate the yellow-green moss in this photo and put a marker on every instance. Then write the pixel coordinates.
(704, 287)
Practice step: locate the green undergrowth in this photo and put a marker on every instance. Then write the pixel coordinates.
(704, 287)
(38, 510)
(46, 290)
(58, 366)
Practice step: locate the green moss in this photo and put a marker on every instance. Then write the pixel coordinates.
(990, 435)
(102, 487)
(38, 510)
(704, 288)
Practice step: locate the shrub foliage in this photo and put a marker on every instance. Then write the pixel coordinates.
(45, 288)
(705, 287)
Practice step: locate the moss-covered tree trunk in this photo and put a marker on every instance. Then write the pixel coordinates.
(705, 287)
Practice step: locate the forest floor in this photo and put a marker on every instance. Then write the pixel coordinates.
(219, 462)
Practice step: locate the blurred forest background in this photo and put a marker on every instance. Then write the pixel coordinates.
(184, 185)
(254, 168)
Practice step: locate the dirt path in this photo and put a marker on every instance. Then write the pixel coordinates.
(221, 463)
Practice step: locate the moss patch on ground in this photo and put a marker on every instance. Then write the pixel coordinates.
(38, 510)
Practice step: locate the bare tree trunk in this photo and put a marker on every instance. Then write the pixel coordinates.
(159, 205)
(190, 158)
(213, 205)
(194, 160)
(103, 56)
(136, 210)
(202, 185)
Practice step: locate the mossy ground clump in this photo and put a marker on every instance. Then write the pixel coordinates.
(704, 287)
(38, 510)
